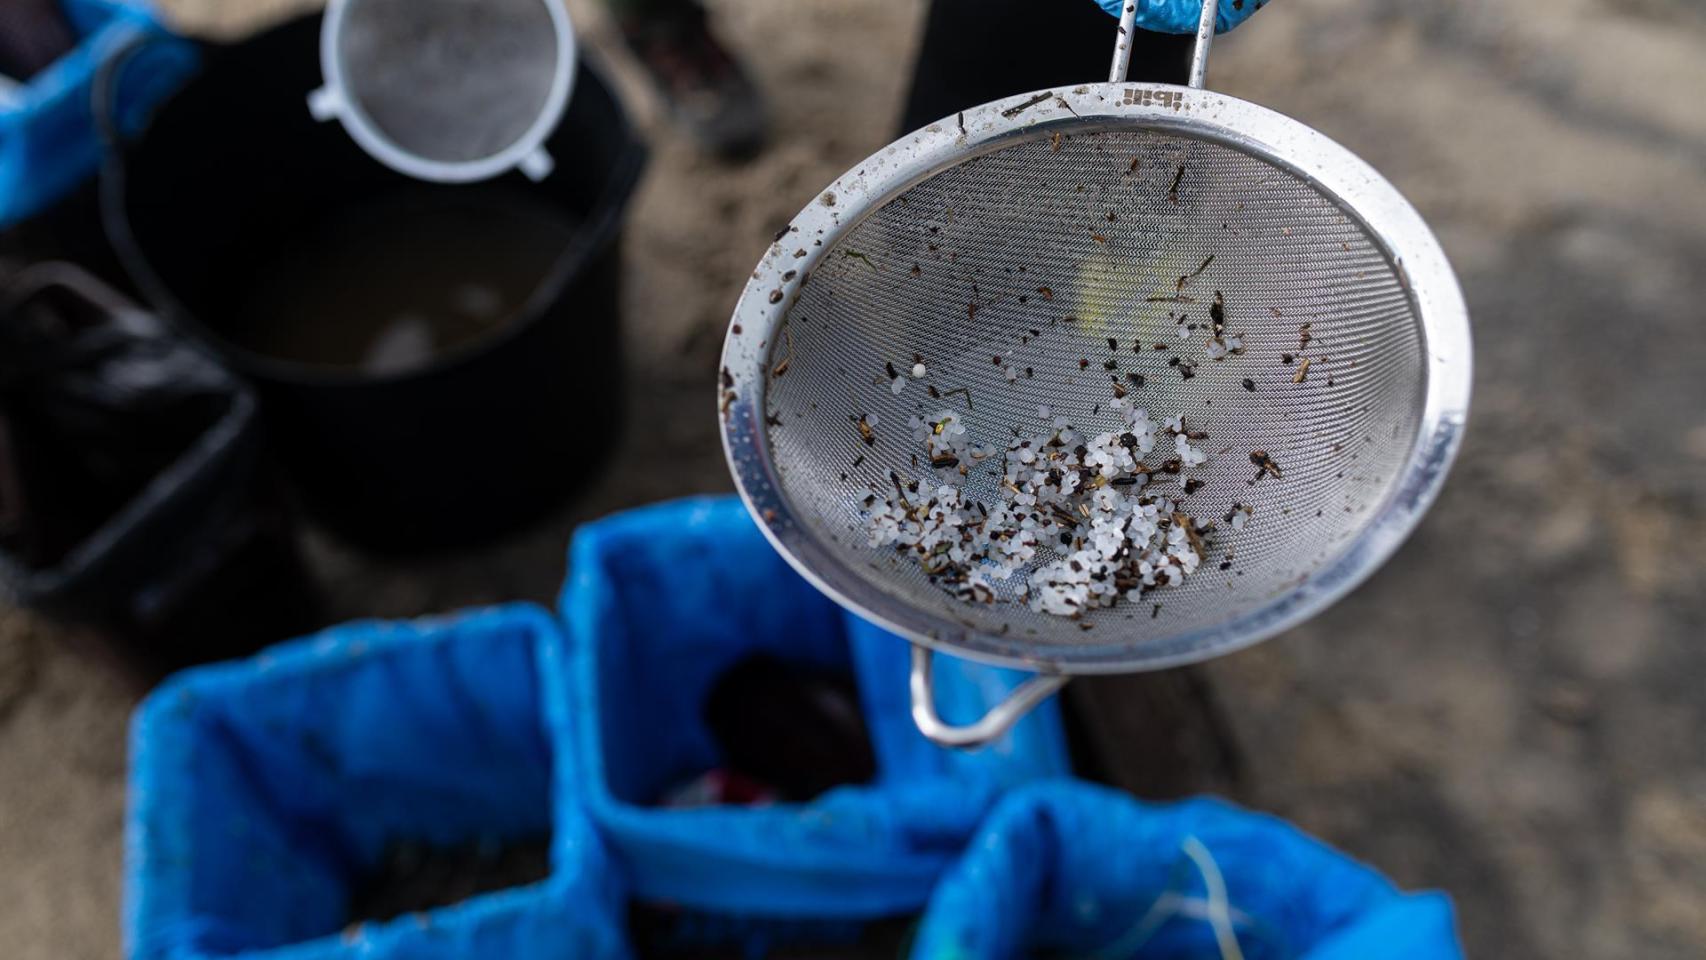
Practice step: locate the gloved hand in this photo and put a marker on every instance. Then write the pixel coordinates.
(1181, 16)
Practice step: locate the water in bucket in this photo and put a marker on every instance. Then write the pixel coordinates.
(386, 288)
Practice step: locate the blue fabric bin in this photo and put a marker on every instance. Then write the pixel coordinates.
(49, 141)
(1083, 871)
(263, 791)
(659, 602)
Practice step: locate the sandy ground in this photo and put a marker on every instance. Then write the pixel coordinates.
(1509, 711)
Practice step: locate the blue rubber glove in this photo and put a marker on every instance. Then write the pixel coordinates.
(1181, 16)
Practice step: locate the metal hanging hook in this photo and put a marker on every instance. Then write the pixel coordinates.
(991, 725)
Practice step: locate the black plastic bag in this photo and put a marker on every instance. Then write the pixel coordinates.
(133, 494)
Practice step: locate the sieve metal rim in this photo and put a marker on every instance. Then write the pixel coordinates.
(1362, 193)
(526, 153)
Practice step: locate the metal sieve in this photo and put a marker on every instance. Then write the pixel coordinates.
(1032, 253)
(448, 90)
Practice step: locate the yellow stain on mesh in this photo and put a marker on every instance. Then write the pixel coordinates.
(1130, 299)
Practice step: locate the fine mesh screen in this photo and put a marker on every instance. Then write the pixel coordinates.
(1080, 238)
(451, 81)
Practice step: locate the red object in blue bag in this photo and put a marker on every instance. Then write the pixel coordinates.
(660, 603)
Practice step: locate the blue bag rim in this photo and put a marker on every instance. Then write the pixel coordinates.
(580, 864)
(1381, 896)
(692, 832)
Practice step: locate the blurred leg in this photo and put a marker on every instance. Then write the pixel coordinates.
(709, 95)
(33, 34)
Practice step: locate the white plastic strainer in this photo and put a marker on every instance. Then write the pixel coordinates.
(448, 90)
(1050, 233)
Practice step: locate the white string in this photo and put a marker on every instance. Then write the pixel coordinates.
(1219, 907)
(1217, 911)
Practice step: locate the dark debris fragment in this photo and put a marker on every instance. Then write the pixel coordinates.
(1265, 465)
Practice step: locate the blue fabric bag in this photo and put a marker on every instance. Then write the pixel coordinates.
(659, 602)
(1076, 870)
(263, 791)
(49, 139)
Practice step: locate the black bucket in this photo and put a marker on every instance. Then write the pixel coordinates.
(270, 236)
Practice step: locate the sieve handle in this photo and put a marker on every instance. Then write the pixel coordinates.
(1199, 54)
(993, 724)
(1122, 44)
(1205, 39)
